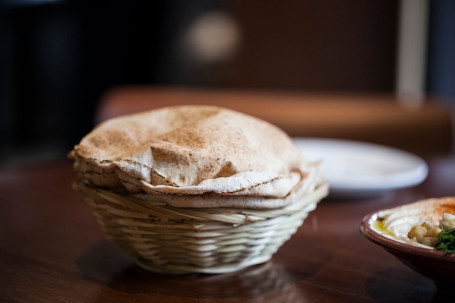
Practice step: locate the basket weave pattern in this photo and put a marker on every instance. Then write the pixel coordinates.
(205, 240)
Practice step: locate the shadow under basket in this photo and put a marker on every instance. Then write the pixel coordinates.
(196, 240)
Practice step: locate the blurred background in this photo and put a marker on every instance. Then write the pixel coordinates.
(59, 58)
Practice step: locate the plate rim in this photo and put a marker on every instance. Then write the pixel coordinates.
(418, 173)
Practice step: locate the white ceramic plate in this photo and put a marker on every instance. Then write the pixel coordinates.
(357, 169)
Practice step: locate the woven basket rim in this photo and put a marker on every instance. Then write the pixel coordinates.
(221, 214)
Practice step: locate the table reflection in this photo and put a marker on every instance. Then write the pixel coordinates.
(107, 265)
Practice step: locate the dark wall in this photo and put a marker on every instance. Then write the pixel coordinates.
(441, 52)
(318, 45)
(57, 58)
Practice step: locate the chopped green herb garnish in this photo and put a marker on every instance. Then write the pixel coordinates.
(446, 241)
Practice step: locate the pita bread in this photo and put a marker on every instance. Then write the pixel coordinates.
(185, 154)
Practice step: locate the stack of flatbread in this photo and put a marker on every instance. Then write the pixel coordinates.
(196, 188)
(196, 156)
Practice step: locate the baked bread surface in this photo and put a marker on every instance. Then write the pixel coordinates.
(196, 156)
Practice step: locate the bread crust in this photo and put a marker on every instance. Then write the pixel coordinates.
(184, 154)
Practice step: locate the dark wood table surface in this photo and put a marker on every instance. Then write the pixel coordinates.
(52, 250)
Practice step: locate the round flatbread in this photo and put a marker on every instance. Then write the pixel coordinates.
(185, 151)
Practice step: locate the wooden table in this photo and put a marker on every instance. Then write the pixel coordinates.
(52, 250)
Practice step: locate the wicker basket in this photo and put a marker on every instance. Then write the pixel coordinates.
(187, 240)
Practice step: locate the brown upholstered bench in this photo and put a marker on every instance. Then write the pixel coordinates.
(371, 118)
